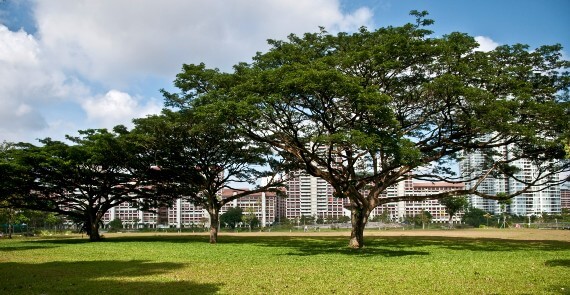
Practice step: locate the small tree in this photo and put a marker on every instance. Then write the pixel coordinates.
(52, 219)
(504, 202)
(283, 220)
(425, 218)
(307, 220)
(384, 217)
(7, 216)
(115, 224)
(249, 217)
(488, 216)
(232, 217)
(475, 217)
(454, 205)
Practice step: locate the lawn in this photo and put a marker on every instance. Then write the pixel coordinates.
(394, 263)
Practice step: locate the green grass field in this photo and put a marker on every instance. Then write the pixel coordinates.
(187, 264)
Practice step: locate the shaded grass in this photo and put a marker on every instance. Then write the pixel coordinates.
(284, 265)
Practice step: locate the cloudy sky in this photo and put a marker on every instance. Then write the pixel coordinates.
(68, 65)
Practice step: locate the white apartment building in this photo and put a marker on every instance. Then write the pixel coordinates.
(131, 216)
(263, 205)
(397, 211)
(542, 199)
(311, 196)
(184, 214)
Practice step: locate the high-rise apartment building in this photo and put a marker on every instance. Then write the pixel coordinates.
(305, 196)
(310, 196)
(540, 199)
(130, 215)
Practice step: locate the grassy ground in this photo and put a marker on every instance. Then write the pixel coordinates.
(411, 262)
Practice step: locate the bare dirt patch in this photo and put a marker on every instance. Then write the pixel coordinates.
(509, 234)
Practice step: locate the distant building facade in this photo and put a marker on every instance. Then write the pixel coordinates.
(263, 205)
(565, 198)
(305, 196)
(542, 199)
(310, 196)
(183, 214)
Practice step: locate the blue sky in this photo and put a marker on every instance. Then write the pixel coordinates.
(68, 65)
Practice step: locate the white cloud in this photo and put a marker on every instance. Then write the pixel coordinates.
(17, 48)
(353, 21)
(53, 81)
(120, 41)
(27, 85)
(116, 107)
(485, 44)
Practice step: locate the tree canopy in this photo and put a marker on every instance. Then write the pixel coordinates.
(232, 217)
(198, 155)
(81, 181)
(366, 110)
(475, 217)
(454, 205)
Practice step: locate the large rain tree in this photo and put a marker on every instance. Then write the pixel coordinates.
(198, 155)
(13, 178)
(367, 110)
(81, 181)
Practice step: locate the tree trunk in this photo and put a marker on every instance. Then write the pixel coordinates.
(10, 222)
(94, 234)
(91, 228)
(214, 225)
(450, 221)
(359, 217)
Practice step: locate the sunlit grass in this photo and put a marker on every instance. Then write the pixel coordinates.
(284, 265)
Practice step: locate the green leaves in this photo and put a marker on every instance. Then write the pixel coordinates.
(453, 205)
(81, 181)
(394, 96)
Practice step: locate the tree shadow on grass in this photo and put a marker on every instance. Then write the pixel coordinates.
(376, 245)
(558, 262)
(22, 248)
(95, 277)
(308, 246)
(35, 244)
(122, 239)
(397, 246)
(470, 244)
(299, 246)
(62, 241)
